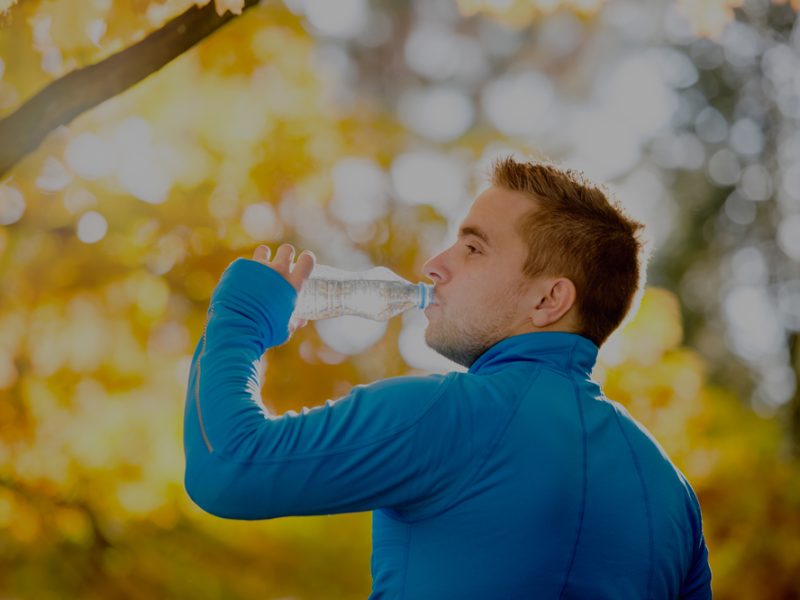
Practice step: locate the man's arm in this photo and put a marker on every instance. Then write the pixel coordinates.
(379, 446)
(697, 583)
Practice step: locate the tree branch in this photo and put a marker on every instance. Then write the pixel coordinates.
(62, 100)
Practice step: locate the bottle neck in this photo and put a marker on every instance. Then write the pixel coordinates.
(425, 295)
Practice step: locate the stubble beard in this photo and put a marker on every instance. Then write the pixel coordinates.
(463, 341)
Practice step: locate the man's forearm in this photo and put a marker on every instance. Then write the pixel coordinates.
(223, 409)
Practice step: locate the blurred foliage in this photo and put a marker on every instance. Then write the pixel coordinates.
(229, 146)
(707, 17)
(746, 479)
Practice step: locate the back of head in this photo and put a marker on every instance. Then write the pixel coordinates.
(573, 230)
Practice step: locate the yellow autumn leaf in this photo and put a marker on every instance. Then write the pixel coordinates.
(235, 6)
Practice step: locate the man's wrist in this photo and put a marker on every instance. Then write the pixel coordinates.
(259, 293)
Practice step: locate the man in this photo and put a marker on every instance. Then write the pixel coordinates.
(517, 479)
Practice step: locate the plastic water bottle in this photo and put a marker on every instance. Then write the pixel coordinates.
(377, 294)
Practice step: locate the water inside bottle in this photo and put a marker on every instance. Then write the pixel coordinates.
(378, 300)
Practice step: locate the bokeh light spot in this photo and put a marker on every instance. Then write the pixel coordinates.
(92, 227)
(349, 334)
(12, 204)
(90, 156)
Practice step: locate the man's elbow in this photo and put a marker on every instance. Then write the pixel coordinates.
(223, 502)
(206, 501)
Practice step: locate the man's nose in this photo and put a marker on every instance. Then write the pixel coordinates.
(433, 269)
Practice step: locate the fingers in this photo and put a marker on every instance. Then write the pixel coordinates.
(284, 256)
(296, 323)
(304, 266)
(282, 263)
(262, 254)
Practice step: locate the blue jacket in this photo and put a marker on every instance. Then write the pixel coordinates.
(515, 480)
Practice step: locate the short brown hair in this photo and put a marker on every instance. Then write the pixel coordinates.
(575, 231)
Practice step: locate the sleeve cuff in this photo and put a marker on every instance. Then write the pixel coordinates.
(261, 293)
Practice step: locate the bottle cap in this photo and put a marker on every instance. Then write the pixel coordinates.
(425, 294)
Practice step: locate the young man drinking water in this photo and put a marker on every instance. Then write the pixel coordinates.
(517, 479)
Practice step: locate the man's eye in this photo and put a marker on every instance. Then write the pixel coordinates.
(473, 250)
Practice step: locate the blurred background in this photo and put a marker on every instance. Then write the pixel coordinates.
(362, 130)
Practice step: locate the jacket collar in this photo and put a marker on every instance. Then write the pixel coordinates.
(564, 351)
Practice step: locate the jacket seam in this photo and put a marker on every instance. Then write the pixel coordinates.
(197, 383)
(405, 561)
(638, 468)
(584, 477)
(495, 440)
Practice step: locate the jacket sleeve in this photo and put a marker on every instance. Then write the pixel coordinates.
(376, 447)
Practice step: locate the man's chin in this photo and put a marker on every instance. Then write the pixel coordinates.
(429, 339)
(440, 346)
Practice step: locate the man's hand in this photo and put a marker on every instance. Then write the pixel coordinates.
(296, 275)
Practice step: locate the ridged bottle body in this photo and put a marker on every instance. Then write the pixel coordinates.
(376, 294)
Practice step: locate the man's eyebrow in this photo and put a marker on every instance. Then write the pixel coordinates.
(476, 231)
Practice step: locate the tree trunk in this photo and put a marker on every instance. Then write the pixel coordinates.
(62, 100)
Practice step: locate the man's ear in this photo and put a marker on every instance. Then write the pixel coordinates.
(554, 299)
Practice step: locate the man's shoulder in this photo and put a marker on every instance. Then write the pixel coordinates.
(641, 438)
(636, 432)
